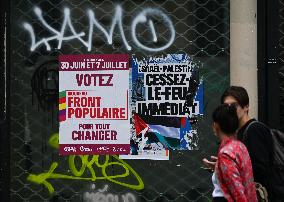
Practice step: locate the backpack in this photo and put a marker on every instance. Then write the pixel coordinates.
(276, 172)
(261, 193)
(277, 169)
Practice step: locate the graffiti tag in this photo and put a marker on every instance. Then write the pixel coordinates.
(102, 195)
(61, 35)
(87, 163)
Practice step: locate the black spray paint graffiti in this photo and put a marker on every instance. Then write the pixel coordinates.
(138, 89)
(45, 84)
(144, 17)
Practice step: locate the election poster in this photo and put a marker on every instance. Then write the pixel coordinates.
(166, 103)
(93, 104)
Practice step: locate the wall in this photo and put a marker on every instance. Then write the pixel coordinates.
(38, 173)
(243, 49)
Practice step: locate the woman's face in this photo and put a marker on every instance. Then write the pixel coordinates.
(216, 129)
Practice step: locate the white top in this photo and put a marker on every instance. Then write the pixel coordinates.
(217, 192)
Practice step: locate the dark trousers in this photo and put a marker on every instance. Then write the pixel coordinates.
(219, 199)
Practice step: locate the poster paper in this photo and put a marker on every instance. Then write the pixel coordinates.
(93, 104)
(166, 99)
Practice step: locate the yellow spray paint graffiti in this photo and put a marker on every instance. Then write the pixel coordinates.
(87, 162)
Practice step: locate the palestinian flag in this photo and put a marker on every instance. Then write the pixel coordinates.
(165, 130)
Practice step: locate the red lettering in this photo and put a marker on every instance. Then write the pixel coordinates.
(79, 78)
(75, 135)
(108, 83)
(113, 135)
(115, 112)
(69, 101)
(85, 112)
(87, 80)
(122, 113)
(107, 135)
(78, 113)
(76, 102)
(70, 112)
(94, 79)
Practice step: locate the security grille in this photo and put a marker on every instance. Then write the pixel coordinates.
(202, 31)
(281, 62)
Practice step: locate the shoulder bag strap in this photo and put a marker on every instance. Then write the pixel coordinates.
(246, 130)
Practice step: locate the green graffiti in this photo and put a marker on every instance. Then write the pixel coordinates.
(86, 163)
(54, 141)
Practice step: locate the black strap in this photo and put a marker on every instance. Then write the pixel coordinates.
(246, 130)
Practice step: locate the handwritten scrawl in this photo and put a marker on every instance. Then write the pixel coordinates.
(87, 164)
(144, 17)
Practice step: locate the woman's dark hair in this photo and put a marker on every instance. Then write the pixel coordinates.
(237, 92)
(226, 116)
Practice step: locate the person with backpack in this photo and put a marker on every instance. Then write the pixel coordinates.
(258, 140)
(233, 177)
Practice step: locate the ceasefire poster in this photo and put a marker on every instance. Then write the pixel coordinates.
(93, 104)
(166, 103)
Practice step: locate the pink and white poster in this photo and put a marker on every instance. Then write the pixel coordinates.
(93, 104)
